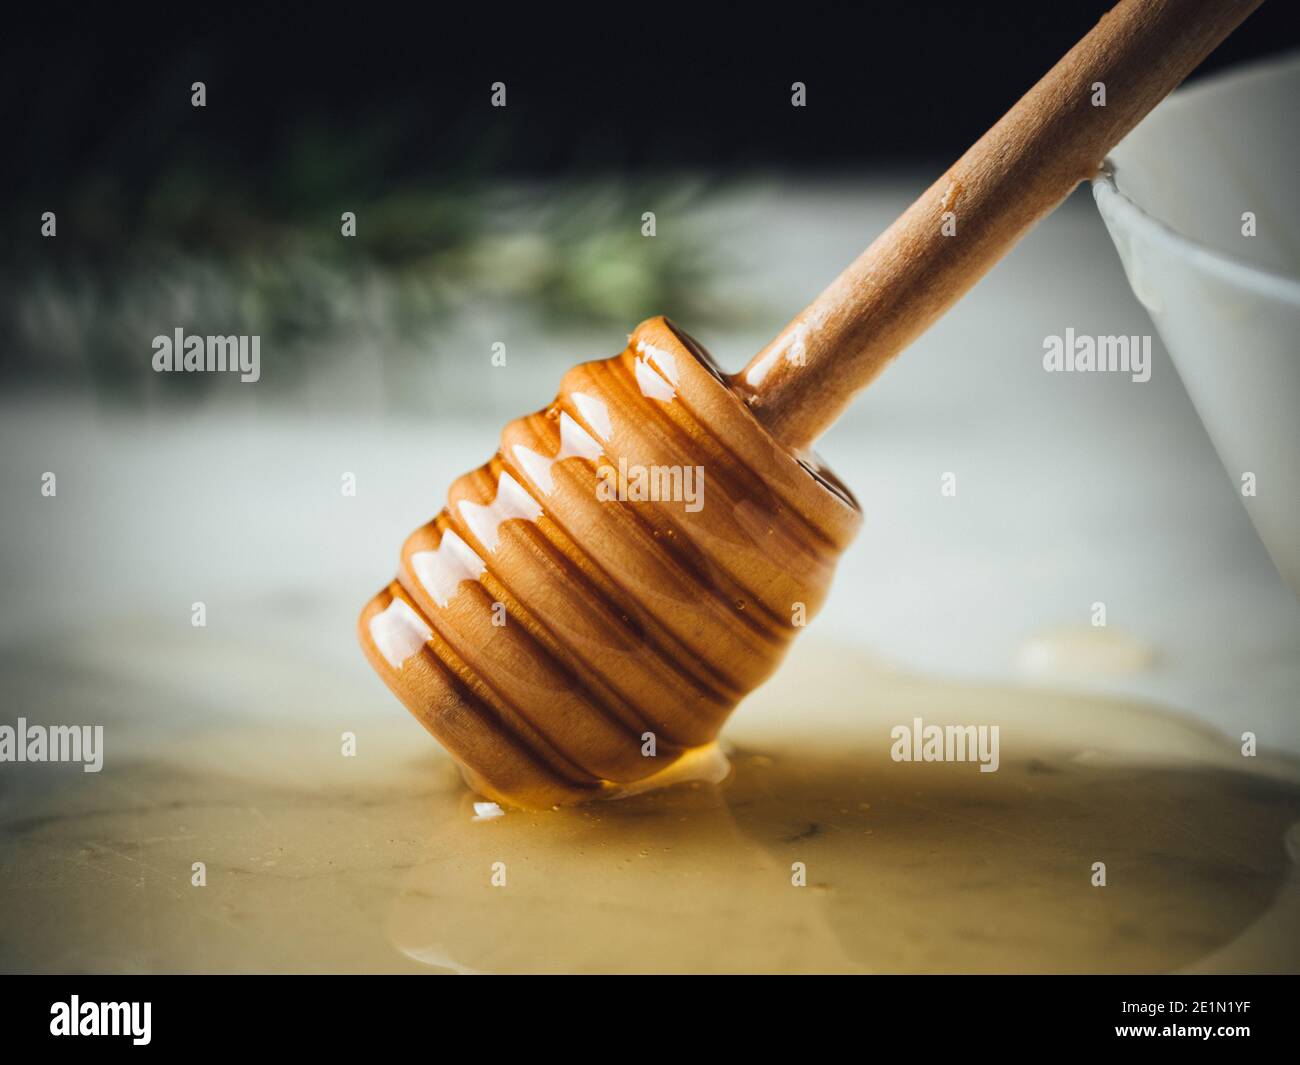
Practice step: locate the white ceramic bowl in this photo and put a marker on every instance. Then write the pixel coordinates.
(1226, 304)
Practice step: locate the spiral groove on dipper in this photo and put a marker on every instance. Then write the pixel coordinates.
(540, 629)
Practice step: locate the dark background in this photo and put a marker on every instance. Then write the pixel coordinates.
(614, 87)
(228, 216)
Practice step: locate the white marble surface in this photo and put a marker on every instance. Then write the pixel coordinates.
(223, 742)
(1072, 489)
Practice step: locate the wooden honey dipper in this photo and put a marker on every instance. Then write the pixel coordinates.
(561, 608)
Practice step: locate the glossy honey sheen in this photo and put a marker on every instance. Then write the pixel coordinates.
(548, 618)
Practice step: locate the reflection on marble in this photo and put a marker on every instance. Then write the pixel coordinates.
(319, 862)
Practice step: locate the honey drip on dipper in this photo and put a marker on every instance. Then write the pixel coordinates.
(594, 601)
(627, 622)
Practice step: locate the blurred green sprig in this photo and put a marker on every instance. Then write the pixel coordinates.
(191, 254)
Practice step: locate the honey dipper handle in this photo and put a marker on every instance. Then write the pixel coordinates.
(1055, 137)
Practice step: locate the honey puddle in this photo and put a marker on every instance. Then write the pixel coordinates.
(317, 862)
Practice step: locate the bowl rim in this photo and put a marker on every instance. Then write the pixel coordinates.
(1110, 198)
(1231, 268)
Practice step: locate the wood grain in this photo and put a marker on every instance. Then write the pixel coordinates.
(1021, 169)
(617, 617)
(541, 629)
